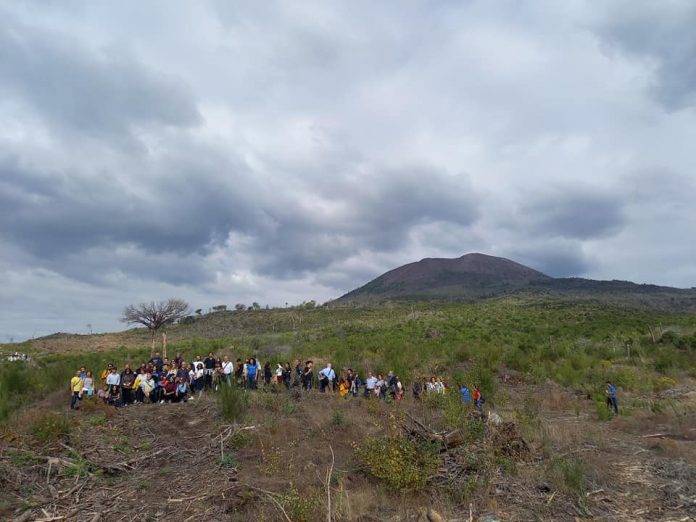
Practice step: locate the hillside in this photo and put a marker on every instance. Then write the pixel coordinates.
(279, 454)
(475, 276)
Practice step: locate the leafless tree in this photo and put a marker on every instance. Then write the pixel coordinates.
(154, 315)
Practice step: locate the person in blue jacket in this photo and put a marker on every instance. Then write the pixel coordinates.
(611, 398)
(465, 394)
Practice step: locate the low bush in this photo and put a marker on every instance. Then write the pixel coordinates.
(300, 507)
(602, 409)
(233, 402)
(399, 462)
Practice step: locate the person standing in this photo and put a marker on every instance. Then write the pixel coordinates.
(612, 401)
(297, 375)
(227, 369)
(308, 375)
(76, 385)
(239, 372)
(252, 374)
(477, 396)
(417, 389)
(113, 378)
(465, 394)
(287, 375)
(370, 384)
(343, 386)
(156, 361)
(327, 377)
(88, 384)
(127, 381)
(209, 366)
(399, 389)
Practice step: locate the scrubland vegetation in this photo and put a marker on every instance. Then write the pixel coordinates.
(557, 453)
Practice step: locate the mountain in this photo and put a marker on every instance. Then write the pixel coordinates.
(477, 275)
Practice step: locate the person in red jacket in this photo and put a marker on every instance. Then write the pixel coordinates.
(477, 398)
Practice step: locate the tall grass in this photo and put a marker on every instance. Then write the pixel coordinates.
(233, 402)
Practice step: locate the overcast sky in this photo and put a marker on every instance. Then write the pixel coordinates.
(277, 152)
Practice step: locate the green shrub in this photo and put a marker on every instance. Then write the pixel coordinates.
(233, 402)
(228, 460)
(399, 462)
(337, 418)
(300, 507)
(602, 409)
(568, 474)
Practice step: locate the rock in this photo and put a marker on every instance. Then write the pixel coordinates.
(495, 419)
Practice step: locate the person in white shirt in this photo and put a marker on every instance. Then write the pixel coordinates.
(432, 385)
(147, 385)
(88, 387)
(370, 384)
(113, 379)
(327, 378)
(227, 369)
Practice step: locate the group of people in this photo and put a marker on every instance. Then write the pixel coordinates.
(163, 380)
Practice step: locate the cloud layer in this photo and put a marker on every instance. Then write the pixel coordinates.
(283, 151)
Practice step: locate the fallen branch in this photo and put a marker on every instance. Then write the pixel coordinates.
(328, 485)
(271, 496)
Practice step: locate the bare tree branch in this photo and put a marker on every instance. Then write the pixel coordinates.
(154, 315)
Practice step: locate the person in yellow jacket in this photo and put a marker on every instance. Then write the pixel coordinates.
(136, 387)
(76, 385)
(343, 387)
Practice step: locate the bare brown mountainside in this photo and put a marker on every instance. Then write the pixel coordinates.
(476, 275)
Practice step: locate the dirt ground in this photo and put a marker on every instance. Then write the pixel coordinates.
(183, 462)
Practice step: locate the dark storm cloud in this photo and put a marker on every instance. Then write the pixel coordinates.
(379, 211)
(69, 222)
(663, 34)
(56, 216)
(102, 93)
(574, 214)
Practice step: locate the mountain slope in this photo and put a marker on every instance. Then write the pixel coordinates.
(478, 275)
(472, 275)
